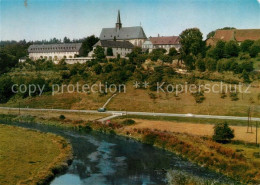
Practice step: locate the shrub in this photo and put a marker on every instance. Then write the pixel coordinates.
(149, 138)
(231, 49)
(233, 96)
(62, 117)
(223, 133)
(128, 122)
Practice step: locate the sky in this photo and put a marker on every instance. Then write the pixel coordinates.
(45, 19)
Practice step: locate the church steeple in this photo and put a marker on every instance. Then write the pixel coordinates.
(118, 24)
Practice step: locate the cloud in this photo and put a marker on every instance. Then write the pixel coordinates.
(258, 1)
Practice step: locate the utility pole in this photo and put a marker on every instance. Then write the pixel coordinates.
(249, 121)
(19, 109)
(256, 125)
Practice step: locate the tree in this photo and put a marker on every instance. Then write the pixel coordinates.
(200, 64)
(66, 40)
(108, 68)
(192, 44)
(211, 64)
(255, 49)
(157, 54)
(5, 89)
(173, 52)
(87, 45)
(166, 58)
(219, 50)
(245, 45)
(248, 66)
(223, 133)
(245, 76)
(109, 52)
(97, 68)
(211, 34)
(231, 49)
(99, 53)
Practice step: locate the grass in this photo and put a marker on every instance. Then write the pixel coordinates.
(192, 128)
(187, 119)
(30, 157)
(139, 100)
(78, 101)
(53, 114)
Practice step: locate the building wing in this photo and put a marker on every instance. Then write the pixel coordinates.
(169, 40)
(114, 44)
(49, 48)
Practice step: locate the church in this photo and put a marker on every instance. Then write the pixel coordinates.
(134, 35)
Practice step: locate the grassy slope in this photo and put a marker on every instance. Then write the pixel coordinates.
(139, 100)
(28, 157)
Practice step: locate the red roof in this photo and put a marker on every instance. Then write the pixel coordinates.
(225, 35)
(171, 40)
(247, 34)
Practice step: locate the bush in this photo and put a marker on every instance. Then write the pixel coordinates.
(128, 122)
(149, 138)
(223, 133)
(231, 49)
(173, 52)
(62, 117)
(255, 49)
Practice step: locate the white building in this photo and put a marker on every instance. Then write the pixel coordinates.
(54, 52)
(162, 42)
(121, 48)
(134, 35)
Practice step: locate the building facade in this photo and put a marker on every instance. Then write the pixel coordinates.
(54, 52)
(121, 48)
(162, 42)
(134, 35)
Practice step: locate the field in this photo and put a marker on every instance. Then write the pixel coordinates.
(53, 114)
(29, 157)
(194, 129)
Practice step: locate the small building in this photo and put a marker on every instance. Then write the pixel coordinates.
(121, 48)
(80, 60)
(23, 59)
(134, 35)
(54, 52)
(162, 42)
(238, 35)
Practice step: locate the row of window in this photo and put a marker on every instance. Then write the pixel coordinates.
(39, 49)
(55, 57)
(158, 46)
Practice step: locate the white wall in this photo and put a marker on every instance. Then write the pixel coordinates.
(53, 55)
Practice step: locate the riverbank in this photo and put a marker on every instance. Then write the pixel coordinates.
(200, 150)
(31, 157)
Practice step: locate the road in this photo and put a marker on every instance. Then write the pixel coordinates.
(139, 113)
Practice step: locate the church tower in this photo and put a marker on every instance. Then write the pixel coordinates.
(118, 24)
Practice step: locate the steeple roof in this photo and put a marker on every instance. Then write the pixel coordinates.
(118, 17)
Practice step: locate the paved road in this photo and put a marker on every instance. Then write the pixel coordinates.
(139, 113)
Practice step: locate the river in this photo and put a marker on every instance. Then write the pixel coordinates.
(106, 159)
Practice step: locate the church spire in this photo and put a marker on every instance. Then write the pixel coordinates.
(118, 24)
